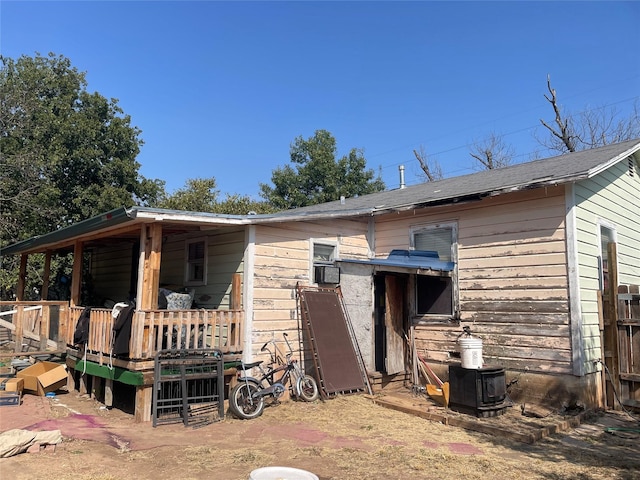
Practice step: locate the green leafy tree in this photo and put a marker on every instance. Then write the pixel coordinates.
(66, 154)
(316, 176)
(198, 195)
(201, 195)
(234, 204)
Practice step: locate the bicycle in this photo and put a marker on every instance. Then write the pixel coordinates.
(247, 399)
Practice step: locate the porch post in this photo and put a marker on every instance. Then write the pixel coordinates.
(142, 409)
(46, 274)
(22, 277)
(76, 275)
(235, 302)
(151, 273)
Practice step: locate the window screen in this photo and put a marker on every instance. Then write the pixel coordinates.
(434, 295)
(439, 239)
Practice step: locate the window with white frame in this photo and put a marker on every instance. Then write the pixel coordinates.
(196, 262)
(607, 236)
(323, 255)
(440, 238)
(435, 296)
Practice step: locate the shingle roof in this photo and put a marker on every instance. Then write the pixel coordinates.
(549, 171)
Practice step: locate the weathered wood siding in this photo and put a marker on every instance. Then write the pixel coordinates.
(283, 260)
(512, 277)
(225, 250)
(111, 272)
(111, 267)
(612, 197)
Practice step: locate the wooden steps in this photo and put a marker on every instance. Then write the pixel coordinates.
(381, 381)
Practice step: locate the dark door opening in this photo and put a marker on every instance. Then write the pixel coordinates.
(390, 324)
(379, 328)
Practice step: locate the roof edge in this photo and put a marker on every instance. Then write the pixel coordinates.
(113, 217)
(605, 165)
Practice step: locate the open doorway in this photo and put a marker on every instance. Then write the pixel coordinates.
(390, 322)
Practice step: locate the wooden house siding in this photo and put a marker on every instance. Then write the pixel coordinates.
(282, 259)
(111, 273)
(225, 250)
(111, 268)
(611, 199)
(512, 278)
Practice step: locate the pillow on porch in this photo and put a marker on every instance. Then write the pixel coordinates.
(180, 301)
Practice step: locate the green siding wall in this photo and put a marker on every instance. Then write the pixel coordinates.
(225, 250)
(612, 198)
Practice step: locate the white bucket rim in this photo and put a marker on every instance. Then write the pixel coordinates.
(284, 473)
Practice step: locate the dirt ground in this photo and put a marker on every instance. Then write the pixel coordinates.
(347, 437)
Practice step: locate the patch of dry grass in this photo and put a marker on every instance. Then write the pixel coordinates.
(349, 438)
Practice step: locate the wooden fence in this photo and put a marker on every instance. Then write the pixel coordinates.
(629, 344)
(622, 345)
(35, 324)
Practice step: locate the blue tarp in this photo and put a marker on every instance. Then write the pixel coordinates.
(418, 259)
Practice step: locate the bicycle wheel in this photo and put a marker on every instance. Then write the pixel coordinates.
(307, 388)
(242, 403)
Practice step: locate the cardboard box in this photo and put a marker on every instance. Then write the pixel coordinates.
(43, 377)
(13, 385)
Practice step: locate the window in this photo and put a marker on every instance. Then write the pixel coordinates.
(323, 254)
(607, 236)
(196, 265)
(438, 238)
(436, 296)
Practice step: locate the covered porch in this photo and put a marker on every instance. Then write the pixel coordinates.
(144, 254)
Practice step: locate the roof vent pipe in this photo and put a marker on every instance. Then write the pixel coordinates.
(401, 168)
(341, 199)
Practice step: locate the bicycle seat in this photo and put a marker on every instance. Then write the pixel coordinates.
(251, 365)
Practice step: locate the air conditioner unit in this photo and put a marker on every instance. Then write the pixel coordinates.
(327, 274)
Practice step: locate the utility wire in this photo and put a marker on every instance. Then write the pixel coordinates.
(509, 133)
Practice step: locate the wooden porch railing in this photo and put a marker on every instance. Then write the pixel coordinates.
(35, 324)
(155, 330)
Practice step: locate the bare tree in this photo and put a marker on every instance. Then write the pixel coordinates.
(431, 168)
(603, 126)
(492, 152)
(563, 138)
(588, 129)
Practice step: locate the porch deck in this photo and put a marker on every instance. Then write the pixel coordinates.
(51, 325)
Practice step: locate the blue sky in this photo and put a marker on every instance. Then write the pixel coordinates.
(222, 89)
